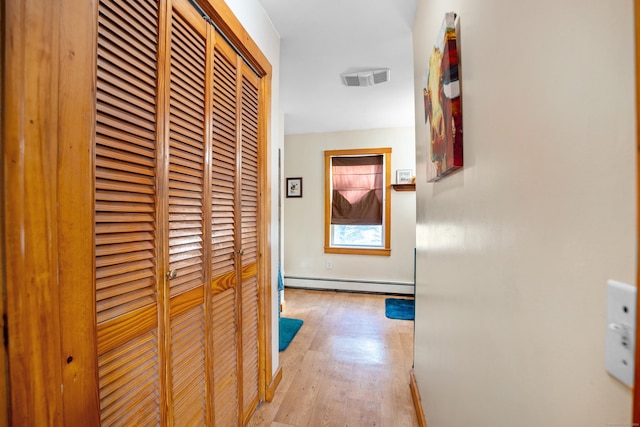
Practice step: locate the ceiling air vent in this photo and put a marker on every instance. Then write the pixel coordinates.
(366, 78)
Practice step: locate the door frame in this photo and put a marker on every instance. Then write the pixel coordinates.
(4, 368)
(636, 389)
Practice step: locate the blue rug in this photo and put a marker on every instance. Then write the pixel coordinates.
(403, 309)
(288, 329)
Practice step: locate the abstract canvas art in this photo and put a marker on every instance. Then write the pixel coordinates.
(443, 102)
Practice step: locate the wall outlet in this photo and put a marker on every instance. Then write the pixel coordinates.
(329, 265)
(621, 331)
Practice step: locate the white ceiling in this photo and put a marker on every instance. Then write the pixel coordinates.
(320, 40)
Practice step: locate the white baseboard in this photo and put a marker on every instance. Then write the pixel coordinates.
(349, 285)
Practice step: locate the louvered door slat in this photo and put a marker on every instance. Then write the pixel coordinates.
(184, 233)
(184, 146)
(224, 117)
(108, 84)
(186, 177)
(228, 69)
(224, 359)
(129, 301)
(223, 128)
(249, 238)
(187, 237)
(136, 287)
(223, 184)
(111, 48)
(224, 165)
(224, 181)
(122, 233)
(115, 74)
(222, 264)
(183, 74)
(122, 281)
(112, 53)
(129, 25)
(183, 38)
(188, 58)
(125, 205)
(182, 180)
(110, 81)
(124, 217)
(113, 186)
(226, 96)
(135, 110)
(182, 115)
(188, 174)
(186, 155)
(186, 102)
(183, 193)
(115, 196)
(124, 156)
(224, 227)
(187, 129)
(129, 383)
(110, 206)
(138, 39)
(223, 122)
(118, 179)
(187, 367)
(109, 131)
(187, 38)
(188, 280)
(250, 344)
(115, 138)
(249, 184)
(143, 16)
(122, 257)
(131, 246)
(125, 161)
(184, 184)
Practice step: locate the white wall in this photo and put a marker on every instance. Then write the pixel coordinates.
(304, 227)
(515, 250)
(255, 20)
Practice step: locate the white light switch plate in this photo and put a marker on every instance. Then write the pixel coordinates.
(621, 331)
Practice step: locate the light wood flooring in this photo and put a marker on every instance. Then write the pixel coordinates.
(347, 366)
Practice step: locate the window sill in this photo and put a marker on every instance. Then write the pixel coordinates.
(358, 251)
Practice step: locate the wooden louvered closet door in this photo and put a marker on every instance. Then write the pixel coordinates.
(224, 244)
(126, 213)
(234, 237)
(176, 205)
(188, 208)
(249, 239)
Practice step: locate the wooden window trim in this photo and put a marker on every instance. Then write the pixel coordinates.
(328, 249)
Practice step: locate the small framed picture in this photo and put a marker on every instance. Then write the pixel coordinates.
(404, 176)
(294, 187)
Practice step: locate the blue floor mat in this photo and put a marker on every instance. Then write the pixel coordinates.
(288, 329)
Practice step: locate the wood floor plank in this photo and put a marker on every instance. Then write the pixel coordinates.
(347, 366)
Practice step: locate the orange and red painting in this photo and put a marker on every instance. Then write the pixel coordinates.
(443, 103)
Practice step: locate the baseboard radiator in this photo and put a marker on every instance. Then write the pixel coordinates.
(349, 285)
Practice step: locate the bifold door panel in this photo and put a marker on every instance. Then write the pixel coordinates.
(176, 219)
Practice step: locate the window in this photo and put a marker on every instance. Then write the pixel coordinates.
(357, 201)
